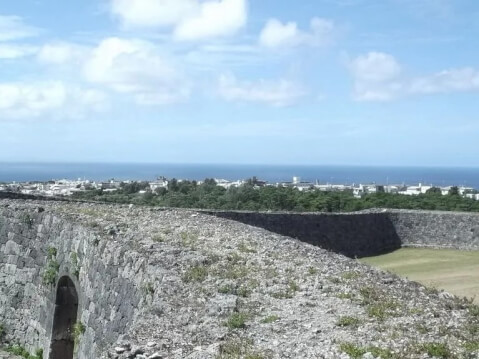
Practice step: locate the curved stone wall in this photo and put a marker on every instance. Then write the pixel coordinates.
(369, 233)
(103, 271)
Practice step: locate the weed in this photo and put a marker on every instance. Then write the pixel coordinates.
(227, 289)
(196, 273)
(21, 351)
(474, 310)
(75, 265)
(78, 330)
(270, 319)
(352, 350)
(344, 296)
(356, 352)
(148, 288)
(236, 321)
(382, 310)
(438, 350)
(51, 252)
(52, 267)
(348, 321)
(349, 275)
(334, 280)
(472, 346)
(312, 271)
(243, 248)
(27, 220)
(238, 348)
(158, 238)
(2, 331)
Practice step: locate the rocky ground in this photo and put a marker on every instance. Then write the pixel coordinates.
(221, 289)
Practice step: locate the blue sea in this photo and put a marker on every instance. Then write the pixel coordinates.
(22, 172)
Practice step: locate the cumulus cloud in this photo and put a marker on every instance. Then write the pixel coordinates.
(214, 19)
(62, 53)
(379, 77)
(375, 77)
(153, 13)
(275, 34)
(14, 28)
(16, 51)
(190, 19)
(276, 93)
(135, 67)
(29, 100)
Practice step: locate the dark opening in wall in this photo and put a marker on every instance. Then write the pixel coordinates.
(65, 316)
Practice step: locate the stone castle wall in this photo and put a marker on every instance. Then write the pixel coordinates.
(369, 233)
(108, 298)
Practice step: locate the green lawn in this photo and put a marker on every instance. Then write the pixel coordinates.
(452, 270)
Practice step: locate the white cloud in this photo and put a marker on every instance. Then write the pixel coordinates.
(215, 18)
(13, 28)
(62, 53)
(375, 67)
(375, 77)
(276, 34)
(153, 13)
(190, 19)
(15, 51)
(29, 100)
(378, 77)
(453, 80)
(276, 93)
(135, 67)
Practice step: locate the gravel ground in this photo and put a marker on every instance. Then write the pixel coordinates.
(221, 289)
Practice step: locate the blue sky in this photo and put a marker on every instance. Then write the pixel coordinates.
(358, 82)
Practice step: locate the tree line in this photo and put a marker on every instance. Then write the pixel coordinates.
(250, 196)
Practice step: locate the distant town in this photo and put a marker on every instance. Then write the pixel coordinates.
(67, 187)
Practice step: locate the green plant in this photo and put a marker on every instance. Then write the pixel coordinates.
(352, 350)
(438, 350)
(243, 248)
(51, 252)
(52, 267)
(474, 310)
(2, 331)
(27, 220)
(236, 321)
(349, 275)
(312, 271)
(78, 330)
(238, 348)
(270, 319)
(196, 273)
(75, 265)
(344, 296)
(21, 351)
(348, 321)
(148, 288)
(158, 238)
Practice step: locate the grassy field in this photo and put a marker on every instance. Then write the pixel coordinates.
(452, 270)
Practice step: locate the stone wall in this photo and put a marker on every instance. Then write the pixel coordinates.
(105, 271)
(353, 235)
(436, 229)
(369, 233)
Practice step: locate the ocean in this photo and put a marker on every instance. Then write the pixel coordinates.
(438, 176)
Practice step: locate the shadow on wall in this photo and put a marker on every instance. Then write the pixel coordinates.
(355, 235)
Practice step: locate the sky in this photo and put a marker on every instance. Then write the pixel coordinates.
(345, 82)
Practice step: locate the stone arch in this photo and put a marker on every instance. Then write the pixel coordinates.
(64, 318)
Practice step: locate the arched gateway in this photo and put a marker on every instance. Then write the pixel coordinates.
(65, 316)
